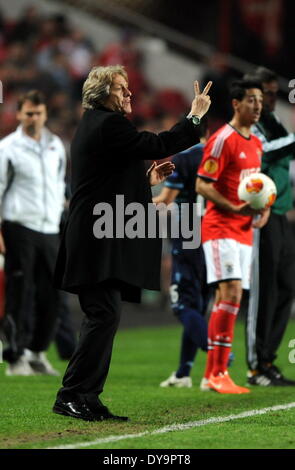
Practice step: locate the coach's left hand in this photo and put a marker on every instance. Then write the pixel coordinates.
(158, 173)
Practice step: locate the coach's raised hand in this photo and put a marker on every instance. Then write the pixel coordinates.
(201, 102)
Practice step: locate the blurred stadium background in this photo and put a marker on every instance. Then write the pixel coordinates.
(52, 44)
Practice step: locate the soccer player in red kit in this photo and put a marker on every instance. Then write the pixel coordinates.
(229, 155)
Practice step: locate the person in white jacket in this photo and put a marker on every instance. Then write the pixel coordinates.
(32, 188)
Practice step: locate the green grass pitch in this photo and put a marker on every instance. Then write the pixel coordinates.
(142, 358)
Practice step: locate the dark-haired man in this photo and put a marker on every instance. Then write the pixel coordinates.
(229, 155)
(32, 168)
(273, 271)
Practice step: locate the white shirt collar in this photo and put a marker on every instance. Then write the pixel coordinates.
(46, 136)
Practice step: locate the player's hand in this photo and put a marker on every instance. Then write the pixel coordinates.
(201, 102)
(261, 221)
(2, 245)
(246, 209)
(158, 173)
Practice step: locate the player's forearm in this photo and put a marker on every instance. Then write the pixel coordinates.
(274, 155)
(275, 149)
(278, 144)
(166, 196)
(158, 199)
(207, 190)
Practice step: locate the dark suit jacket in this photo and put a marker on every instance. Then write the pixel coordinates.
(107, 159)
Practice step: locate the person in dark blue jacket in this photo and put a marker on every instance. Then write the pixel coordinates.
(188, 291)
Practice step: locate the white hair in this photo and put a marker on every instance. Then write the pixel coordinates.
(96, 88)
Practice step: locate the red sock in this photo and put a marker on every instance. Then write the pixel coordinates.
(210, 353)
(224, 323)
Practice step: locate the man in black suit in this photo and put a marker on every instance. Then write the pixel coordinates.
(107, 161)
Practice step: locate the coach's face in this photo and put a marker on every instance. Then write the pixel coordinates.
(119, 98)
(249, 108)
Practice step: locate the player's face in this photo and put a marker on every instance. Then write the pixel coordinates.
(120, 97)
(270, 91)
(249, 108)
(32, 117)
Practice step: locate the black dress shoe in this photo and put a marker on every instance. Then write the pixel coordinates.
(75, 409)
(102, 413)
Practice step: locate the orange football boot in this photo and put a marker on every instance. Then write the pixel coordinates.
(222, 383)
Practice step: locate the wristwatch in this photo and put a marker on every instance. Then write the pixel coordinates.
(195, 119)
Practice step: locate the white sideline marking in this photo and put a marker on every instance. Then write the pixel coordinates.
(178, 427)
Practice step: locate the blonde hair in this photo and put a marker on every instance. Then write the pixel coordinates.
(97, 85)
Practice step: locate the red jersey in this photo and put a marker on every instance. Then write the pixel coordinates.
(228, 158)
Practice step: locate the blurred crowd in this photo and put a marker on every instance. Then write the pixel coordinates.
(48, 53)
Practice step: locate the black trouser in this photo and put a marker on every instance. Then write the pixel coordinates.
(29, 261)
(276, 285)
(88, 368)
(65, 337)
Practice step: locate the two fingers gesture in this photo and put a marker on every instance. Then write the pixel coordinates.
(201, 102)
